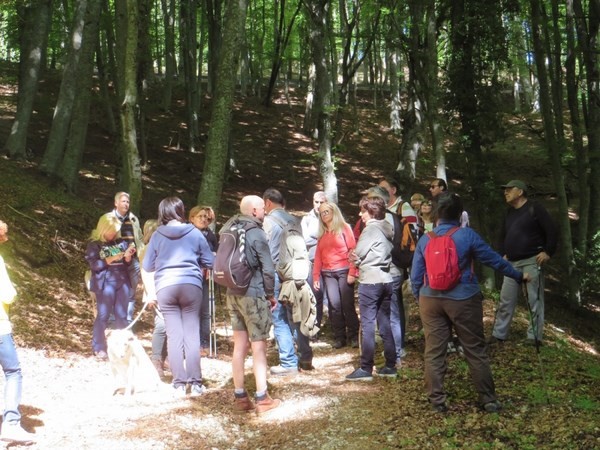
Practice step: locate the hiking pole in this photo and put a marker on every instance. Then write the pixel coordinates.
(212, 352)
(535, 338)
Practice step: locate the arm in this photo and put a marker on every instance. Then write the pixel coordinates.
(417, 271)
(546, 223)
(350, 240)
(484, 253)
(316, 270)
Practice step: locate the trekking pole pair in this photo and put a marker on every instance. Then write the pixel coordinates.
(536, 339)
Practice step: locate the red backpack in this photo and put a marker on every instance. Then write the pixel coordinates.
(441, 261)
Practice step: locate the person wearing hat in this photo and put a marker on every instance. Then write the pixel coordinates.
(528, 238)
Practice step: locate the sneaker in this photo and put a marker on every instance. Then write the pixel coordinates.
(179, 391)
(441, 408)
(197, 390)
(339, 344)
(101, 355)
(385, 371)
(492, 407)
(402, 353)
(354, 343)
(398, 364)
(283, 371)
(266, 404)
(158, 365)
(243, 404)
(306, 365)
(13, 432)
(359, 375)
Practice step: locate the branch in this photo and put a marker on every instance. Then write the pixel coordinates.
(25, 215)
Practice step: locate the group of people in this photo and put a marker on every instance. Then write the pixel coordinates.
(175, 253)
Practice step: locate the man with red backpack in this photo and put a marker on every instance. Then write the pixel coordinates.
(449, 296)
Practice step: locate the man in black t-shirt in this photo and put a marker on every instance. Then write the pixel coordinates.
(528, 239)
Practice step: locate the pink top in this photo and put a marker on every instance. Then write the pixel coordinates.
(332, 251)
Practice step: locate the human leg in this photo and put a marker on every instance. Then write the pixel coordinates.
(368, 297)
(122, 297)
(535, 294)
(509, 295)
(11, 366)
(348, 306)
(240, 351)
(190, 298)
(396, 312)
(283, 334)
(171, 310)
(332, 289)
(105, 301)
(437, 327)
(383, 323)
(467, 318)
(318, 293)
(159, 339)
(305, 353)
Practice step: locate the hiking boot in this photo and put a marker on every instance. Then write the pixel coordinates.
(266, 403)
(14, 432)
(492, 407)
(493, 340)
(359, 375)
(339, 344)
(306, 365)
(158, 365)
(197, 390)
(283, 371)
(243, 404)
(354, 343)
(390, 372)
(101, 355)
(441, 408)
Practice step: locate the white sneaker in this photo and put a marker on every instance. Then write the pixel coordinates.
(197, 390)
(15, 433)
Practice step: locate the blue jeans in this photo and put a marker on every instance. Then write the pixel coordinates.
(283, 333)
(113, 298)
(374, 305)
(14, 379)
(396, 313)
(304, 350)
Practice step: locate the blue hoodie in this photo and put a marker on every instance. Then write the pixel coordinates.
(176, 254)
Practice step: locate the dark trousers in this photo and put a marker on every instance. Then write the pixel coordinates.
(342, 312)
(180, 305)
(319, 297)
(374, 305)
(438, 316)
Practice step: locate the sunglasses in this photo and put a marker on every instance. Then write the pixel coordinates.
(325, 212)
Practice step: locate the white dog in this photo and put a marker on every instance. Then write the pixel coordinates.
(131, 367)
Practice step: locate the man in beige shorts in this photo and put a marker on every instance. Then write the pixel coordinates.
(251, 312)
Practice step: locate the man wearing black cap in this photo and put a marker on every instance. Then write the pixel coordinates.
(528, 239)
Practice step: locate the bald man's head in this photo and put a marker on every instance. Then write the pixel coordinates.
(254, 206)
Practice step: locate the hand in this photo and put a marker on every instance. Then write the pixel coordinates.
(273, 302)
(351, 279)
(542, 258)
(152, 304)
(317, 285)
(526, 277)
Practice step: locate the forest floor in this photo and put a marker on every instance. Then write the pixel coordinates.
(67, 394)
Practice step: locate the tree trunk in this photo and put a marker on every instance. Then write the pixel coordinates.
(570, 276)
(33, 45)
(188, 46)
(215, 162)
(395, 102)
(168, 8)
(309, 124)
(215, 38)
(131, 174)
(319, 15)
(581, 152)
(63, 110)
(69, 171)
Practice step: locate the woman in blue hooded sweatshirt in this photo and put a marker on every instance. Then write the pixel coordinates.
(177, 253)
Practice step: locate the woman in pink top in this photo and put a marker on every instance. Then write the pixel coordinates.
(331, 261)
